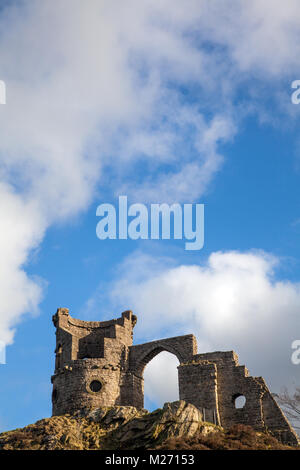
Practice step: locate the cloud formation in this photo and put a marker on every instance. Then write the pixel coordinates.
(231, 301)
(103, 86)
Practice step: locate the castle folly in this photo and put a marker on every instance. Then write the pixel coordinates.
(97, 365)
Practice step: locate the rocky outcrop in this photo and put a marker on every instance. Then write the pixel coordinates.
(136, 429)
(118, 427)
(177, 425)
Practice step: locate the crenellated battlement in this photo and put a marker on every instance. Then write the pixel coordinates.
(62, 319)
(79, 339)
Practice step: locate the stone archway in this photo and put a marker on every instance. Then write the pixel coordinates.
(161, 381)
(183, 347)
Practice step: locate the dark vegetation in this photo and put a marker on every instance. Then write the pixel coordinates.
(238, 437)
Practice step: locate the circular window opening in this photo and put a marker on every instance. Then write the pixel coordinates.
(54, 395)
(239, 401)
(95, 386)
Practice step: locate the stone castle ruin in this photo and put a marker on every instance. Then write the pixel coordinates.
(97, 365)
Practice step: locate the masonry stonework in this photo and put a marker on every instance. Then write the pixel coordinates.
(97, 365)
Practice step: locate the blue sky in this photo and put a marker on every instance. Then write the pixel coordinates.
(162, 105)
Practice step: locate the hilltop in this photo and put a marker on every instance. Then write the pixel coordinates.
(177, 425)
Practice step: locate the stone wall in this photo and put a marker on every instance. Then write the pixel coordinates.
(89, 353)
(198, 386)
(97, 365)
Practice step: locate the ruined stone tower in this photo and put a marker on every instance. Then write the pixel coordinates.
(97, 365)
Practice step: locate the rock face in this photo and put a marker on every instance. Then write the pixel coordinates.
(119, 427)
(178, 425)
(133, 428)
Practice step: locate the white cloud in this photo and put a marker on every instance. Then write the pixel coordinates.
(232, 301)
(262, 35)
(22, 230)
(191, 176)
(74, 78)
(84, 78)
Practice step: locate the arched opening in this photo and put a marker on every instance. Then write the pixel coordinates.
(54, 395)
(239, 401)
(58, 357)
(161, 381)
